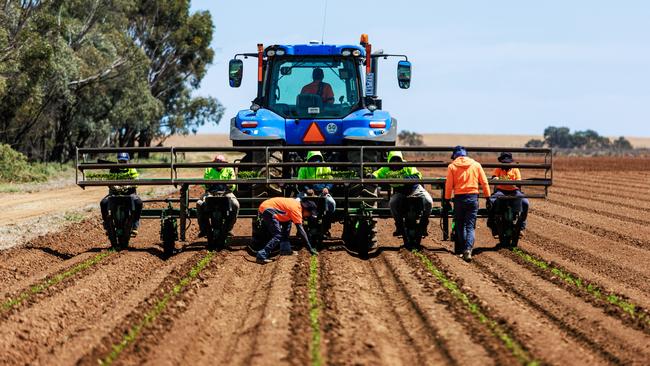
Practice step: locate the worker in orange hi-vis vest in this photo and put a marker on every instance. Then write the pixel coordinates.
(508, 190)
(464, 175)
(278, 214)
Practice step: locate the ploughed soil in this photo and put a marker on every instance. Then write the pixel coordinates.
(67, 299)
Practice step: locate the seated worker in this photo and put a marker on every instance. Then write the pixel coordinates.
(507, 189)
(129, 174)
(318, 87)
(277, 214)
(398, 207)
(319, 189)
(218, 190)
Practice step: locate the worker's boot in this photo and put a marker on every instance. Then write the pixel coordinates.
(424, 228)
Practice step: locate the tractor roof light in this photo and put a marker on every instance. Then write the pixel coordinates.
(346, 53)
(364, 39)
(270, 53)
(279, 52)
(356, 53)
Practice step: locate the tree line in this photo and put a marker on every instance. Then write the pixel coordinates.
(101, 73)
(563, 138)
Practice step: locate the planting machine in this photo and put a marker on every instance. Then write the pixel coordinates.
(309, 97)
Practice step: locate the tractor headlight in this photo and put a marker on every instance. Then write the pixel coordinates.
(346, 53)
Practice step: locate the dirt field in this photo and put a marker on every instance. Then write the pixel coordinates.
(575, 293)
(430, 139)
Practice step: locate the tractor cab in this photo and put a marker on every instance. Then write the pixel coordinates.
(315, 94)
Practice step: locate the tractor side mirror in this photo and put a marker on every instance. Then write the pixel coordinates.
(404, 74)
(235, 72)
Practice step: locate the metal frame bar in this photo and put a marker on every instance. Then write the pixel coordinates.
(174, 166)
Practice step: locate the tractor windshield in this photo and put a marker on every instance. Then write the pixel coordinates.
(314, 87)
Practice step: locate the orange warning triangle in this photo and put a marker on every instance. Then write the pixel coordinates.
(313, 135)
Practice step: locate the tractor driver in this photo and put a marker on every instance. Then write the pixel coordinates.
(318, 87)
(398, 202)
(218, 190)
(127, 174)
(507, 190)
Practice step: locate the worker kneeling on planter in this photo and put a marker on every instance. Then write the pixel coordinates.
(277, 214)
(398, 207)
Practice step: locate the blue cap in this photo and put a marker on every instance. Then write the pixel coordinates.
(458, 151)
(123, 156)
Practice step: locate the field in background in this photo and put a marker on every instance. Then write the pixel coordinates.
(429, 139)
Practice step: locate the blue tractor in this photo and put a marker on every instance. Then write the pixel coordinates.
(314, 94)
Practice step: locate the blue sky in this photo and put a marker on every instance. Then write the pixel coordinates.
(478, 67)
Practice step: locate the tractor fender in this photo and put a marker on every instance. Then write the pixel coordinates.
(364, 134)
(270, 126)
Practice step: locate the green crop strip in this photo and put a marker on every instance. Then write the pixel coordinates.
(586, 287)
(510, 343)
(155, 311)
(314, 312)
(10, 303)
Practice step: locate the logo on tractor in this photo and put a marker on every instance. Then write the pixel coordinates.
(332, 128)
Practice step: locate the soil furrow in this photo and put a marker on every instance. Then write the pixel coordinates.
(633, 183)
(610, 199)
(49, 254)
(632, 216)
(621, 270)
(298, 344)
(424, 337)
(361, 323)
(530, 326)
(56, 282)
(613, 304)
(448, 332)
(67, 321)
(585, 225)
(587, 324)
(220, 320)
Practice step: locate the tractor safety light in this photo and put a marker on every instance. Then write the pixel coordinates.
(364, 39)
(249, 124)
(270, 53)
(378, 124)
(356, 53)
(346, 53)
(279, 52)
